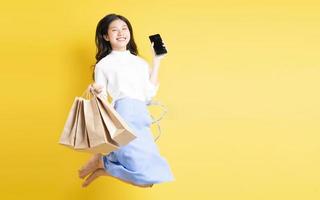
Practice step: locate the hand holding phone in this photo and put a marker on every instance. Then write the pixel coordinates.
(158, 45)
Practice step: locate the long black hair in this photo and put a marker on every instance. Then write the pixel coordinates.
(103, 46)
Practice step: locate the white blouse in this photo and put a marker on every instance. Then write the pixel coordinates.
(122, 74)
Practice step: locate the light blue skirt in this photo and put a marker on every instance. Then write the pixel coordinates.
(138, 162)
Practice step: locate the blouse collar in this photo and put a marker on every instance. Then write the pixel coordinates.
(118, 52)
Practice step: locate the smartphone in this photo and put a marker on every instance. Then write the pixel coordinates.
(158, 44)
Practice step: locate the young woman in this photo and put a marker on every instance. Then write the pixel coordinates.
(127, 78)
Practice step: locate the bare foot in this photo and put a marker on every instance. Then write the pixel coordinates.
(92, 165)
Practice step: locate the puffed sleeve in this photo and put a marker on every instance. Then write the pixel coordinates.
(101, 79)
(151, 89)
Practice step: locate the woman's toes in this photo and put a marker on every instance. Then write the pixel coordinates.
(93, 176)
(87, 170)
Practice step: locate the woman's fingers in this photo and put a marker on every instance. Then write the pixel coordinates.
(152, 49)
(165, 46)
(96, 88)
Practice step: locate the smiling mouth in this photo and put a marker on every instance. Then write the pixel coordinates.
(121, 39)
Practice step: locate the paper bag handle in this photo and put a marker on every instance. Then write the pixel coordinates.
(88, 93)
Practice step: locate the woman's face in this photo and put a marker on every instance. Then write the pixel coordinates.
(118, 35)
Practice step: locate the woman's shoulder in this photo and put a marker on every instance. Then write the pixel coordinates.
(103, 62)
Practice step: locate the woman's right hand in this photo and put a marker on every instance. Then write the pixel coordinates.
(94, 87)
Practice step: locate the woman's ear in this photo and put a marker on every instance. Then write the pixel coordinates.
(106, 37)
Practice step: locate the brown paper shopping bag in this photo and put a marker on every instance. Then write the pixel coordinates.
(84, 130)
(69, 131)
(81, 140)
(94, 126)
(98, 135)
(118, 129)
(74, 134)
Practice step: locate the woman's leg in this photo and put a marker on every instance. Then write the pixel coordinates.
(96, 168)
(102, 172)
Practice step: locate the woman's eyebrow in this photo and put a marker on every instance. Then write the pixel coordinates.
(116, 27)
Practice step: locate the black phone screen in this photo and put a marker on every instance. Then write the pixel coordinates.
(158, 44)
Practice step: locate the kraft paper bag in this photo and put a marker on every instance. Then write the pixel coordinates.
(118, 129)
(84, 130)
(99, 138)
(94, 126)
(74, 134)
(69, 131)
(81, 140)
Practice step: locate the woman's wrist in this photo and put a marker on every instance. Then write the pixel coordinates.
(156, 62)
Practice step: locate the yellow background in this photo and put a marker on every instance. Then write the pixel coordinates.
(241, 81)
